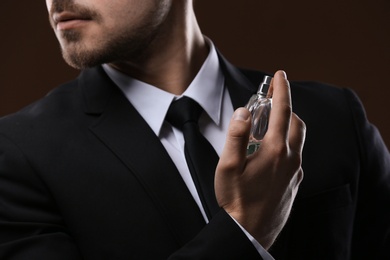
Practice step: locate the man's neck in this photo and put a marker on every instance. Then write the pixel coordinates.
(173, 59)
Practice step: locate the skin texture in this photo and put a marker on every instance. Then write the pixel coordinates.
(159, 42)
(156, 41)
(105, 32)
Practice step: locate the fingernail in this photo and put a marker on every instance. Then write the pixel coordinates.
(284, 74)
(241, 114)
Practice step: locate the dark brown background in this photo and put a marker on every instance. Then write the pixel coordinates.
(342, 42)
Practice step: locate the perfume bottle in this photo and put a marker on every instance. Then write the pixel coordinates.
(259, 105)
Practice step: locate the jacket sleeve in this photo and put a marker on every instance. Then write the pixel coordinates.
(371, 239)
(222, 238)
(30, 225)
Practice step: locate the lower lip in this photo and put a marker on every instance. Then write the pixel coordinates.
(71, 24)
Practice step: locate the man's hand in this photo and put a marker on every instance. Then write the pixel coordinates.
(258, 190)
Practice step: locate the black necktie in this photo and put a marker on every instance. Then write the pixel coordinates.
(200, 155)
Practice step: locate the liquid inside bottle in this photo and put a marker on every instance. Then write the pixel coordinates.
(259, 105)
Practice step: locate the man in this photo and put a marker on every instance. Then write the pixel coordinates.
(96, 170)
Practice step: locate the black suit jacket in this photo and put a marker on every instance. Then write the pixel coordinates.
(82, 176)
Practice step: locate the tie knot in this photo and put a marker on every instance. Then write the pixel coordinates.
(182, 111)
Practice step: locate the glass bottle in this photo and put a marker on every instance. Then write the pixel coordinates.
(259, 105)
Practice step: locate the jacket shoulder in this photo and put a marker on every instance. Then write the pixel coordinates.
(51, 109)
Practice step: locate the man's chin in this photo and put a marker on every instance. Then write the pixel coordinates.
(81, 60)
(86, 54)
(74, 63)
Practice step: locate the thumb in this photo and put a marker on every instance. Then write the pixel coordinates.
(233, 156)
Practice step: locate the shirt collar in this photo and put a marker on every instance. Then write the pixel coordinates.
(153, 103)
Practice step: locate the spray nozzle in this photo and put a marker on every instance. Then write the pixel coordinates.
(264, 86)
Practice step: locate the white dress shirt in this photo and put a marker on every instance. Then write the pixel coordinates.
(208, 89)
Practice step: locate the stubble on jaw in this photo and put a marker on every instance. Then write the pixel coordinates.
(70, 49)
(108, 45)
(118, 48)
(73, 50)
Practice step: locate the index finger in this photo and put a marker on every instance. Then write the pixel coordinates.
(280, 117)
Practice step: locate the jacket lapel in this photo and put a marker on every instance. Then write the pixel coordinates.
(122, 129)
